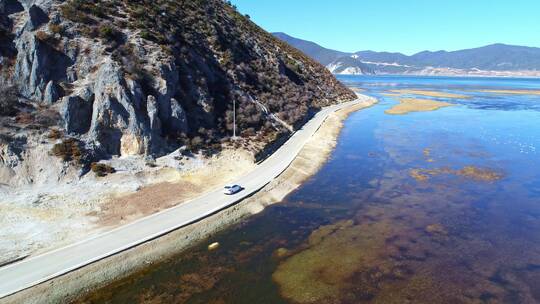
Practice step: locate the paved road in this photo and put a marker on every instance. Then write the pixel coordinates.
(38, 269)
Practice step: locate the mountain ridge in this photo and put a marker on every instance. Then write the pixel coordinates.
(494, 59)
(323, 55)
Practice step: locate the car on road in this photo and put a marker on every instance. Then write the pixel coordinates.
(232, 189)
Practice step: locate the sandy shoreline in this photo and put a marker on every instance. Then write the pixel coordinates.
(101, 273)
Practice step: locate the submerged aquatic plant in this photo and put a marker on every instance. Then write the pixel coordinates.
(472, 172)
(344, 262)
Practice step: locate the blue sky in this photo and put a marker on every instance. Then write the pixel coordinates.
(406, 26)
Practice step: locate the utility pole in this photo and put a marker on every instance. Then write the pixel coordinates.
(234, 119)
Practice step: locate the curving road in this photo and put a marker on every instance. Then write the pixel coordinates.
(41, 268)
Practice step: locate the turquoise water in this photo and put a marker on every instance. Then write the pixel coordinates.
(426, 207)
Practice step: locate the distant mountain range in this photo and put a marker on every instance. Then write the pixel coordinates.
(490, 60)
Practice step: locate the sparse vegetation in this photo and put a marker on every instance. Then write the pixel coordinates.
(102, 169)
(56, 28)
(55, 134)
(69, 149)
(47, 38)
(109, 33)
(43, 36)
(213, 47)
(151, 164)
(24, 118)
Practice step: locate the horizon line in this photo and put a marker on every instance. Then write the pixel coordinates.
(404, 53)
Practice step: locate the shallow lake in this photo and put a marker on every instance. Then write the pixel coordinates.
(426, 207)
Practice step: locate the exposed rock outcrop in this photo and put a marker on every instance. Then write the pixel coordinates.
(178, 119)
(52, 93)
(37, 17)
(77, 114)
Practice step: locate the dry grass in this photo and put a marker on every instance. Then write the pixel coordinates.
(69, 150)
(55, 134)
(24, 118)
(177, 188)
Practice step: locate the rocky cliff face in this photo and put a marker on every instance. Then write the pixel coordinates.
(102, 78)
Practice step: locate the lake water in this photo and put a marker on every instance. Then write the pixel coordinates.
(426, 207)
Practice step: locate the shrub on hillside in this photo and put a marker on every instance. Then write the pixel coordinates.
(101, 169)
(109, 33)
(56, 28)
(24, 118)
(195, 144)
(47, 38)
(43, 36)
(72, 12)
(69, 150)
(55, 134)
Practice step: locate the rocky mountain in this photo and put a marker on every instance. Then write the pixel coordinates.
(87, 80)
(496, 59)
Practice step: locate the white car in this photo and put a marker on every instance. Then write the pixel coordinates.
(232, 189)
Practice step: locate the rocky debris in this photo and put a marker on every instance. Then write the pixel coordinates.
(213, 246)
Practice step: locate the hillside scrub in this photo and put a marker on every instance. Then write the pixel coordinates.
(195, 33)
(69, 149)
(101, 169)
